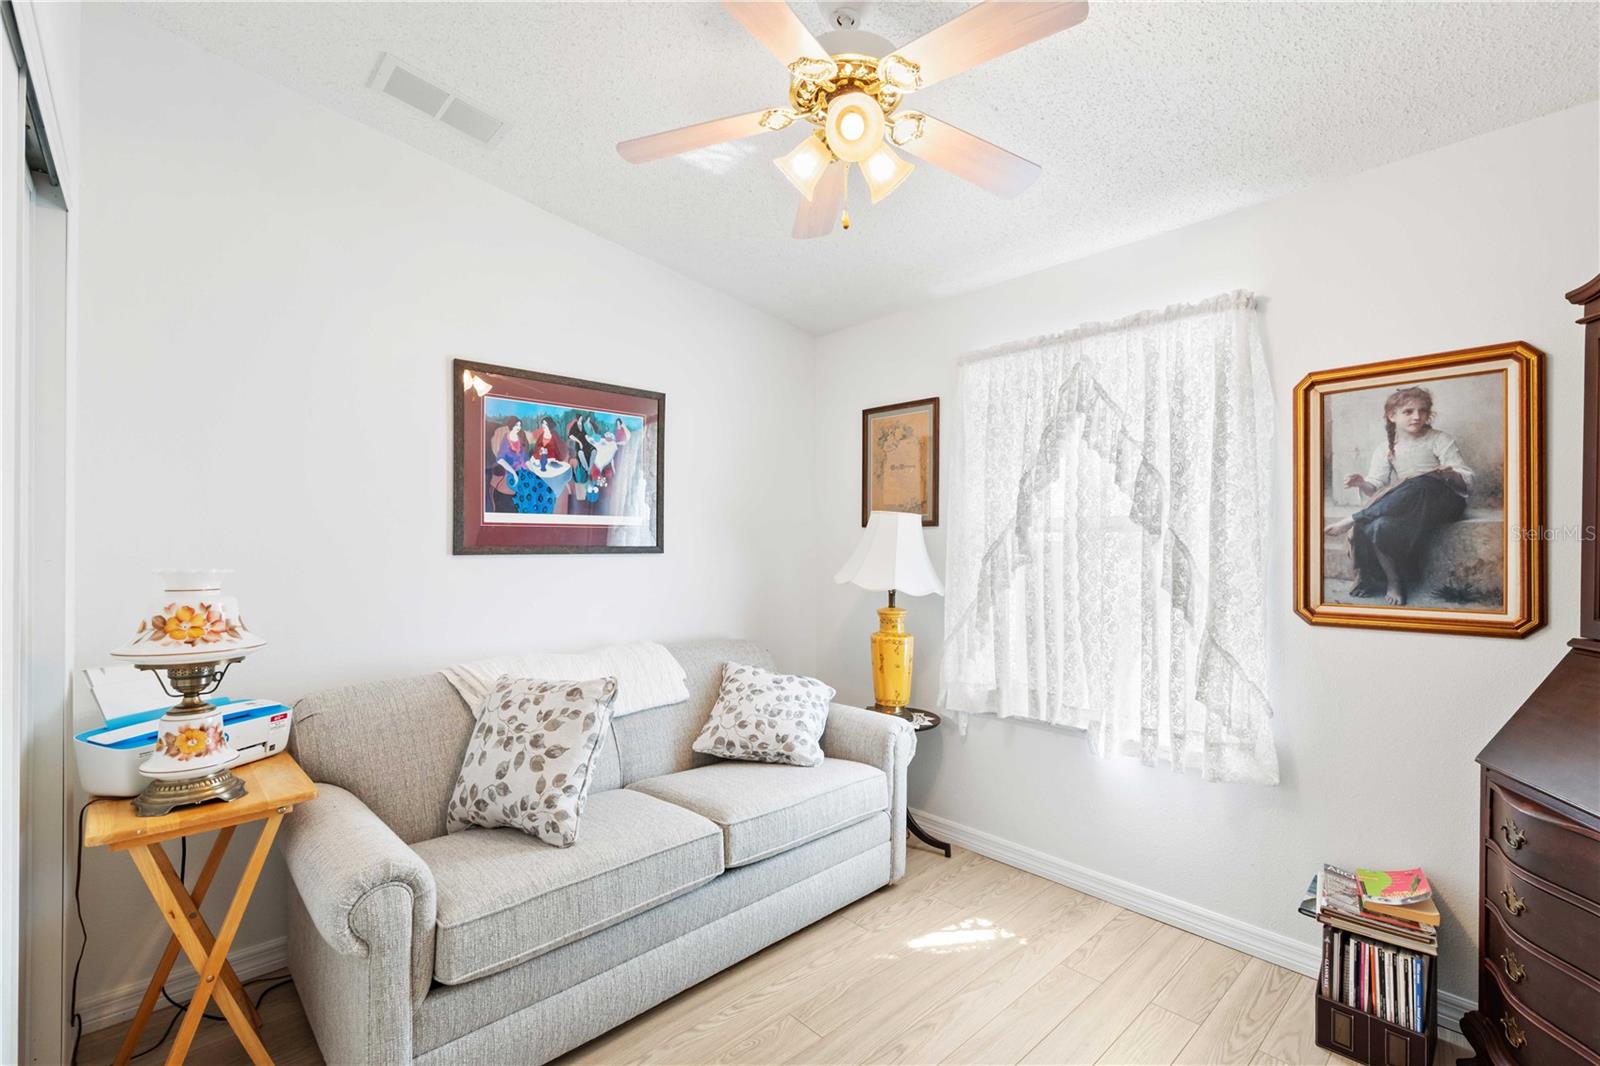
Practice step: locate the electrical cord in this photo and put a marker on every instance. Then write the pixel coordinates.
(163, 1039)
(207, 1015)
(269, 988)
(83, 939)
(179, 1014)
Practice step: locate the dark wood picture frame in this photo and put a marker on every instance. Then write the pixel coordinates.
(930, 512)
(471, 534)
(1524, 613)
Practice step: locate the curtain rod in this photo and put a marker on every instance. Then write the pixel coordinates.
(1239, 299)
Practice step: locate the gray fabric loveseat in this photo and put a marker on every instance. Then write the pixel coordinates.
(489, 946)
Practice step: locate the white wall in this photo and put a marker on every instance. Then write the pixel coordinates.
(271, 296)
(1469, 245)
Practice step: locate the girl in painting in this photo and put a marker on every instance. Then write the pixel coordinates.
(543, 445)
(582, 451)
(1416, 484)
(512, 453)
(605, 450)
(502, 468)
(578, 441)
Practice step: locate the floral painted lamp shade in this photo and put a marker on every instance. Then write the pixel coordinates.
(193, 622)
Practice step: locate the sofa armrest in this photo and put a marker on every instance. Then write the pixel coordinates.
(884, 741)
(366, 892)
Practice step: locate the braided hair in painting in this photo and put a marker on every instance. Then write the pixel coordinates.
(1396, 400)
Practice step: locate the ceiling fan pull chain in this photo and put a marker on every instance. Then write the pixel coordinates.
(844, 218)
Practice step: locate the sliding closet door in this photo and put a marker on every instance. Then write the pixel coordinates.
(13, 301)
(49, 832)
(37, 831)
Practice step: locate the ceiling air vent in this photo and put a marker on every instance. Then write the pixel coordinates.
(408, 85)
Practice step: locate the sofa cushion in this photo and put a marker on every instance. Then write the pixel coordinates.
(531, 756)
(765, 808)
(504, 897)
(764, 716)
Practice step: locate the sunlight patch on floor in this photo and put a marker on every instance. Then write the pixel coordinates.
(963, 936)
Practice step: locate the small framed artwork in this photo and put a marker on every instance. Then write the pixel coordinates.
(1419, 493)
(900, 459)
(555, 464)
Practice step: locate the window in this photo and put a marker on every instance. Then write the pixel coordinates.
(1107, 549)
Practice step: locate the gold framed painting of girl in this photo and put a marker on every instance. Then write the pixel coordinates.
(1419, 493)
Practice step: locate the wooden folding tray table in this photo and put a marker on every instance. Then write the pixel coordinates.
(273, 787)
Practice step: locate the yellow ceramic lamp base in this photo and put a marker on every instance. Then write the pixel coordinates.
(891, 659)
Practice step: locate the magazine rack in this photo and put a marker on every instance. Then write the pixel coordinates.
(1363, 1037)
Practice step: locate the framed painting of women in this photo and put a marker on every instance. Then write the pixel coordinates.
(555, 464)
(1419, 493)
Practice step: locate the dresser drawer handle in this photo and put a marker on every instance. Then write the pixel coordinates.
(1514, 969)
(1514, 1034)
(1514, 903)
(1514, 836)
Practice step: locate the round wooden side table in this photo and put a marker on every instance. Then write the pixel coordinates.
(921, 721)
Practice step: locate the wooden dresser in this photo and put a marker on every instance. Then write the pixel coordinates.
(1539, 847)
(1539, 876)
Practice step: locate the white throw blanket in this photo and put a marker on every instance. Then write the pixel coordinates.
(647, 674)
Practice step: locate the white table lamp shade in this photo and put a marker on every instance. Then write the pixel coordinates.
(892, 555)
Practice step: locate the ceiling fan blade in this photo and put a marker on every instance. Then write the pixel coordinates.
(987, 31)
(778, 28)
(818, 215)
(688, 138)
(973, 158)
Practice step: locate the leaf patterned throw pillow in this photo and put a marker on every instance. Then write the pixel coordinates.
(531, 756)
(761, 716)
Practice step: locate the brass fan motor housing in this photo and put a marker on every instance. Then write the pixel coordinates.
(857, 73)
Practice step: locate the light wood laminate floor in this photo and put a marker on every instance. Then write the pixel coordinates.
(965, 961)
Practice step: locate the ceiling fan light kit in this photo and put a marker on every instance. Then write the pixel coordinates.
(804, 166)
(854, 126)
(884, 171)
(851, 99)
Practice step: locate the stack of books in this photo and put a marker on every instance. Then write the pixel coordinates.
(1381, 929)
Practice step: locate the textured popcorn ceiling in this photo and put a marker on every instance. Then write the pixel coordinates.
(1145, 118)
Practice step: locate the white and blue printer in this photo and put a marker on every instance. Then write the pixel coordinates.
(132, 703)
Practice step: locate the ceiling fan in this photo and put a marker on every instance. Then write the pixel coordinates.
(850, 86)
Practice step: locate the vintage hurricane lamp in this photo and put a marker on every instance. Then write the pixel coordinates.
(189, 638)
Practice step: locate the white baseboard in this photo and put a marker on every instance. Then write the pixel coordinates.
(1275, 948)
(117, 1005)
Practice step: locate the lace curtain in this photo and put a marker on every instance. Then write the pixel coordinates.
(1106, 559)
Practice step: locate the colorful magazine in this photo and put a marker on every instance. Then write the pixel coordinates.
(1338, 892)
(1395, 887)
